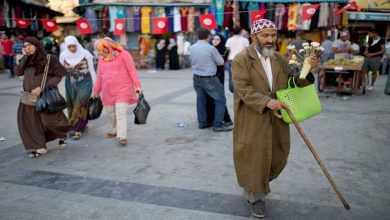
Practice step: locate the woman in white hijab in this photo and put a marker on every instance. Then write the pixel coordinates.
(78, 84)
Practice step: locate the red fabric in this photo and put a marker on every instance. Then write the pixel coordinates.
(84, 26)
(50, 25)
(256, 15)
(7, 46)
(352, 5)
(160, 25)
(308, 11)
(119, 26)
(228, 15)
(208, 21)
(22, 23)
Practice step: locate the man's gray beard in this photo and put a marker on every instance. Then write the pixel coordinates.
(265, 51)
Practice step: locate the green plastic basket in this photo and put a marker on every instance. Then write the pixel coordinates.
(303, 102)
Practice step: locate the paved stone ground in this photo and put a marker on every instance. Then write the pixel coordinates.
(168, 172)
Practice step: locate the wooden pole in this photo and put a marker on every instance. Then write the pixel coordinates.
(323, 168)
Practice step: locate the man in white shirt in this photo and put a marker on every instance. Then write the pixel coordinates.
(235, 44)
(342, 47)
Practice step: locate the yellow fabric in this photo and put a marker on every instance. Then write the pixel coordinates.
(145, 20)
(109, 47)
(292, 17)
(344, 20)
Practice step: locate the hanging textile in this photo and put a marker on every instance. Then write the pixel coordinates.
(244, 15)
(236, 14)
(314, 20)
(305, 24)
(280, 11)
(191, 19)
(270, 15)
(220, 5)
(171, 21)
(176, 19)
(137, 19)
(324, 14)
(292, 17)
(145, 20)
(129, 20)
(184, 18)
(113, 15)
(90, 14)
(228, 16)
(105, 18)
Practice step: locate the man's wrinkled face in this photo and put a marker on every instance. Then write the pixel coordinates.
(265, 42)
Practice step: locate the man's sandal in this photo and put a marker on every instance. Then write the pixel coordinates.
(37, 153)
(110, 135)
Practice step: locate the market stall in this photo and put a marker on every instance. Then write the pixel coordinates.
(343, 74)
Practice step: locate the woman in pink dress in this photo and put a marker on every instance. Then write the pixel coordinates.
(117, 80)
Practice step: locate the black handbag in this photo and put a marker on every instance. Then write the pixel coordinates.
(51, 100)
(141, 111)
(95, 107)
(54, 100)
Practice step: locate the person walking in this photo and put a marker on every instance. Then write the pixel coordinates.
(219, 43)
(38, 128)
(8, 56)
(261, 141)
(205, 59)
(373, 56)
(235, 44)
(78, 84)
(117, 80)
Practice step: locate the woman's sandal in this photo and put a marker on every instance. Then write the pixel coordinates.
(62, 143)
(37, 153)
(123, 141)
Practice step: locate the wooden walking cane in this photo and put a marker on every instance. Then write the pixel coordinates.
(323, 168)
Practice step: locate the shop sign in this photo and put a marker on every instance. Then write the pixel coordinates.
(368, 16)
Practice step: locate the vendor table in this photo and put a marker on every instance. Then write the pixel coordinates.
(341, 70)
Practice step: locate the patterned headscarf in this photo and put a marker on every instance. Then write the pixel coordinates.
(262, 24)
(108, 46)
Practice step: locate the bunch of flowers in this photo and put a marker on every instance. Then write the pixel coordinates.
(309, 50)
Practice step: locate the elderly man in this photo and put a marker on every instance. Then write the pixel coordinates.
(261, 141)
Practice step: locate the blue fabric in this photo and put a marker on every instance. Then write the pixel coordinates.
(212, 87)
(205, 58)
(91, 16)
(229, 67)
(113, 15)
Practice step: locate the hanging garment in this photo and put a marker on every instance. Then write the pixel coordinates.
(1, 14)
(252, 6)
(105, 18)
(220, 5)
(7, 14)
(176, 19)
(90, 14)
(191, 19)
(121, 12)
(280, 11)
(333, 20)
(228, 16)
(236, 14)
(244, 15)
(184, 18)
(323, 18)
(130, 19)
(145, 19)
(113, 15)
(292, 17)
(137, 19)
(270, 15)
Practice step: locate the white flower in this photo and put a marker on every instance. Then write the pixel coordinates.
(315, 44)
(305, 44)
(294, 57)
(306, 47)
(302, 50)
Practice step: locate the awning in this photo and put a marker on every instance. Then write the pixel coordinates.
(368, 16)
(293, 1)
(40, 7)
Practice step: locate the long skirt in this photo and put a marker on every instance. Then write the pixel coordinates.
(77, 96)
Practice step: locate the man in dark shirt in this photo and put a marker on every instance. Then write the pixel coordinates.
(373, 55)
